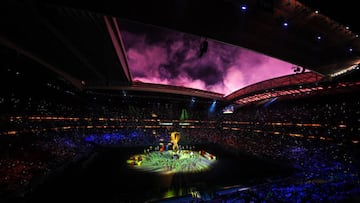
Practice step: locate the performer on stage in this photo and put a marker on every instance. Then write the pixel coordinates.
(174, 138)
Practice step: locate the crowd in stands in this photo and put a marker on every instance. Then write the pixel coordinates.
(27, 160)
(49, 124)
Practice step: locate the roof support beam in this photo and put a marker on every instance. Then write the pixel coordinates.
(117, 41)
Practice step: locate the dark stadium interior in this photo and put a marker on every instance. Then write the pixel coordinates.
(71, 114)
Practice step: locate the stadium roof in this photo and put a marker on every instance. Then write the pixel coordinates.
(67, 36)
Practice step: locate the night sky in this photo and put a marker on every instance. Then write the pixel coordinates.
(162, 56)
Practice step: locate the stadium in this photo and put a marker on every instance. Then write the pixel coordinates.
(179, 101)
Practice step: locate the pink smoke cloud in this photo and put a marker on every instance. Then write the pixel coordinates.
(172, 58)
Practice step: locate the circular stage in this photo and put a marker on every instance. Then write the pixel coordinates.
(168, 161)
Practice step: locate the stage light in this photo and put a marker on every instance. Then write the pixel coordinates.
(192, 102)
(212, 107)
(297, 69)
(228, 109)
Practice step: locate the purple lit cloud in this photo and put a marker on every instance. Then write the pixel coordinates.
(162, 56)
